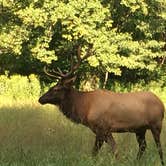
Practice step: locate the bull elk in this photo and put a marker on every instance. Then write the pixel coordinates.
(105, 112)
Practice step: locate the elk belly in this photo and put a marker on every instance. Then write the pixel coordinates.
(122, 123)
(119, 118)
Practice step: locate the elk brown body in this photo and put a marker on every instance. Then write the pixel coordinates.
(105, 112)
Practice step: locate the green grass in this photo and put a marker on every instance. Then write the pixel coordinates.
(34, 135)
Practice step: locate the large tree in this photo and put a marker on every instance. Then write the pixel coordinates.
(127, 35)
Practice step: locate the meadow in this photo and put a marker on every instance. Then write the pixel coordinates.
(35, 135)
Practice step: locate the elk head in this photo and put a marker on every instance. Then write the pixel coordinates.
(57, 93)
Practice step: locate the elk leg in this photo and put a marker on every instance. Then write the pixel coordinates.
(140, 135)
(98, 144)
(156, 135)
(111, 141)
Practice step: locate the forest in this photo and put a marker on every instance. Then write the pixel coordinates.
(128, 38)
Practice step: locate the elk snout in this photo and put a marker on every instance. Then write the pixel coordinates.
(41, 100)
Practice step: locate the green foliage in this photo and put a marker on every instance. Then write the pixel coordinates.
(126, 36)
(19, 87)
(89, 83)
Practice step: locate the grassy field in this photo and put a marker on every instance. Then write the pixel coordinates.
(34, 135)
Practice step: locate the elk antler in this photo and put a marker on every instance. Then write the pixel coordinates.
(54, 75)
(79, 60)
(73, 68)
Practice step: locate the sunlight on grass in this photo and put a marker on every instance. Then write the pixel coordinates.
(35, 135)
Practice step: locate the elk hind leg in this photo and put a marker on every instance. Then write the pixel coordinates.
(156, 135)
(140, 136)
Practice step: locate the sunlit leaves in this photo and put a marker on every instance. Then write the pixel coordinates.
(93, 61)
(33, 16)
(125, 34)
(136, 5)
(11, 40)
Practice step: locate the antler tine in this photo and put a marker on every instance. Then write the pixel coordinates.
(79, 59)
(79, 53)
(59, 72)
(49, 74)
(73, 68)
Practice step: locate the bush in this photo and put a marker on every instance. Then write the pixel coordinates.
(19, 87)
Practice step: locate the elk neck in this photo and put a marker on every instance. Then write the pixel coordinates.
(69, 104)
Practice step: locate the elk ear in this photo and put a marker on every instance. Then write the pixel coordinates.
(69, 82)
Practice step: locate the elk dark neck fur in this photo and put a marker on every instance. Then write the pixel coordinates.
(68, 105)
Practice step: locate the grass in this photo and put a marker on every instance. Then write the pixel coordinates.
(34, 135)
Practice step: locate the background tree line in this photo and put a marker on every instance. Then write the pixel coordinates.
(128, 37)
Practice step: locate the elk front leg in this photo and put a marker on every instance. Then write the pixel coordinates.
(98, 144)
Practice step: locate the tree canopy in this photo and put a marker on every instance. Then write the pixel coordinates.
(128, 36)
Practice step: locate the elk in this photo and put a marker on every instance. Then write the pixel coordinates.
(106, 112)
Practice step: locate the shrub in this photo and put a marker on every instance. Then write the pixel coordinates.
(19, 87)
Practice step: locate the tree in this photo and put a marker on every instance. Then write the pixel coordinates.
(126, 35)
